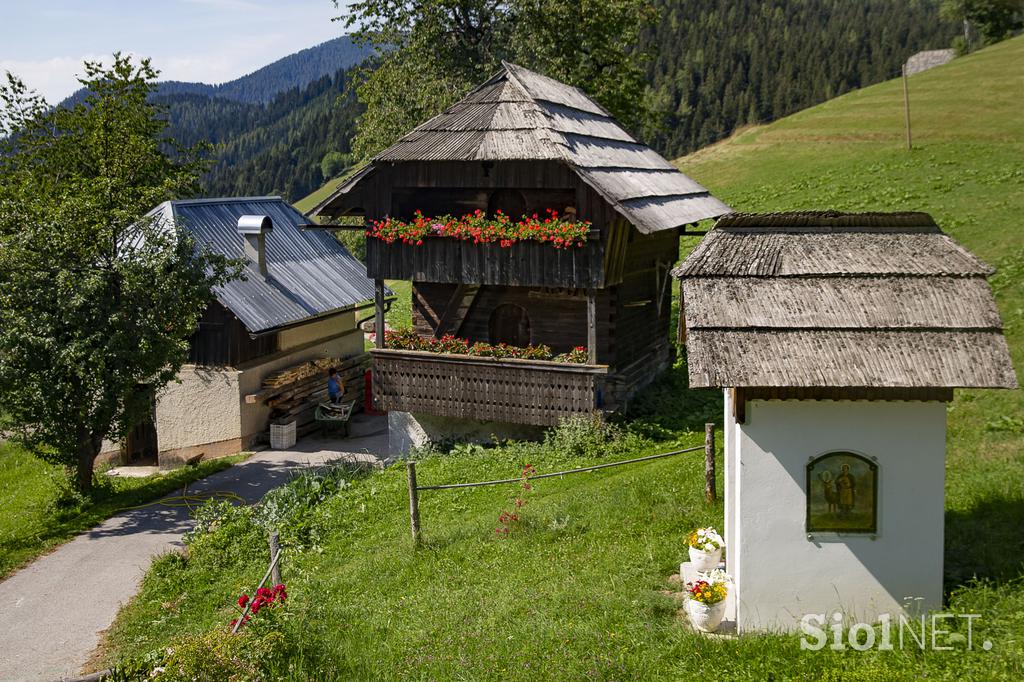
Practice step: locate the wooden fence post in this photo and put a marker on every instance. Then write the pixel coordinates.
(414, 503)
(709, 463)
(906, 107)
(274, 549)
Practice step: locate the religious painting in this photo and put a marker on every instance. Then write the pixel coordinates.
(842, 494)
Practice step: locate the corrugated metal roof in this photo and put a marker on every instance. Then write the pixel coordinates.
(840, 300)
(310, 273)
(522, 115)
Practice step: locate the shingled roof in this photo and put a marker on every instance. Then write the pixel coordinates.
(840, 300)
(521, 115)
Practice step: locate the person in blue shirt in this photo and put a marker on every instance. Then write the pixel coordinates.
(335, 386)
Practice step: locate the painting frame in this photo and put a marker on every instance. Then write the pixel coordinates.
(852, 505)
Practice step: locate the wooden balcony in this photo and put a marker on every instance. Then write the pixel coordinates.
(466, 387)
(524, 264)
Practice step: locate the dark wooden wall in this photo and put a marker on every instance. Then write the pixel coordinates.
(558, 317)
(643, 301)
(222, 340)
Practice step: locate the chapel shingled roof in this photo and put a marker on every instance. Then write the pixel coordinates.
(521, 115)
(827, 299)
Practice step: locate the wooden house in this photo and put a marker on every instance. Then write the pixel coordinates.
(522, 143)
(297, 301)
(838, 339)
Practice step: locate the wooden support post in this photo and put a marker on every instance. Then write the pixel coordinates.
(378, 322)
(274, 549)
(414, 503)
(709, 463)
(591, 327)
(681, 322)
(906, 107)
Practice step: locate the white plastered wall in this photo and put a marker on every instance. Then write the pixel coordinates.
(780, 573)
(208, 405)
(729, 460)
(201, 407)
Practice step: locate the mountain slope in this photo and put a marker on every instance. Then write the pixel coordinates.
(966, 169)
(294, 71)
(719, 65)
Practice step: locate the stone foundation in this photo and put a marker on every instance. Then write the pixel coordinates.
(407, 431)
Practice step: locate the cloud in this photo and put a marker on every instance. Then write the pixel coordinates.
(53, 78)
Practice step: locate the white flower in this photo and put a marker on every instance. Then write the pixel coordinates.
(708, 540)
(715, 577)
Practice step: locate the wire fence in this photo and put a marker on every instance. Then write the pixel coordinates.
(709, 477)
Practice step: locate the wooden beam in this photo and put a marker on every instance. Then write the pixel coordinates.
(681, 322)
(455, 312)
(591, 327)
(378, 323)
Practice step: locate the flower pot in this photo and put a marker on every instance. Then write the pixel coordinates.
(705, 617)
(705, 561)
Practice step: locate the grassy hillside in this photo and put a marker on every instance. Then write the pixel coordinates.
(577, 590)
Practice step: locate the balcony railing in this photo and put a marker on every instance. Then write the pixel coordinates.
(514, 391)
(523, 264)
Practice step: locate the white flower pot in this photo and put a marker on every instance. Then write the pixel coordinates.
(704, 617)
(705, 561)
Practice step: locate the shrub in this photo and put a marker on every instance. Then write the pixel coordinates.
(253, 655)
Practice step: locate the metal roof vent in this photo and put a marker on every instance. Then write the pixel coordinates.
(254, 229)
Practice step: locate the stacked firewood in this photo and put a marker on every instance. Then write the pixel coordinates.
(292, 394)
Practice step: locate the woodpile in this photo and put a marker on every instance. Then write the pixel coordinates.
(292, 394)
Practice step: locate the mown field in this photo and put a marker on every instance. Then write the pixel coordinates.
(576, 590)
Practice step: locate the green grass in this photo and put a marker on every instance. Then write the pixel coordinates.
(575, 592)
(307, 202)
(32, 523)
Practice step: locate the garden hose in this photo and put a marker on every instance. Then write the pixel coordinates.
(191, 501)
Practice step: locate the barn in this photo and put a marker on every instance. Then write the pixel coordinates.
(523, 144)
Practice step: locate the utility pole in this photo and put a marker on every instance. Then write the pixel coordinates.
(906, 106)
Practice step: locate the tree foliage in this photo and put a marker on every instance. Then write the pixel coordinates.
(430, 53)
(97, 299)
(994, 20)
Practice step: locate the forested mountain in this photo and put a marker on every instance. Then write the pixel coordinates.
(294, 71)
(269, 149)
(716, 66)
(720, 65)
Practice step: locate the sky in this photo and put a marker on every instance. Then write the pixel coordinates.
(212, 41)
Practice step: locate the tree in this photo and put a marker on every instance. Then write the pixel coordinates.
(994, 20)
(334, 163)
(431, 52)
(97, 297)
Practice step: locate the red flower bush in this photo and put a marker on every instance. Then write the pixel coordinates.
(265, 597)
(478, 228)
(407, 339)
(507, 518)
